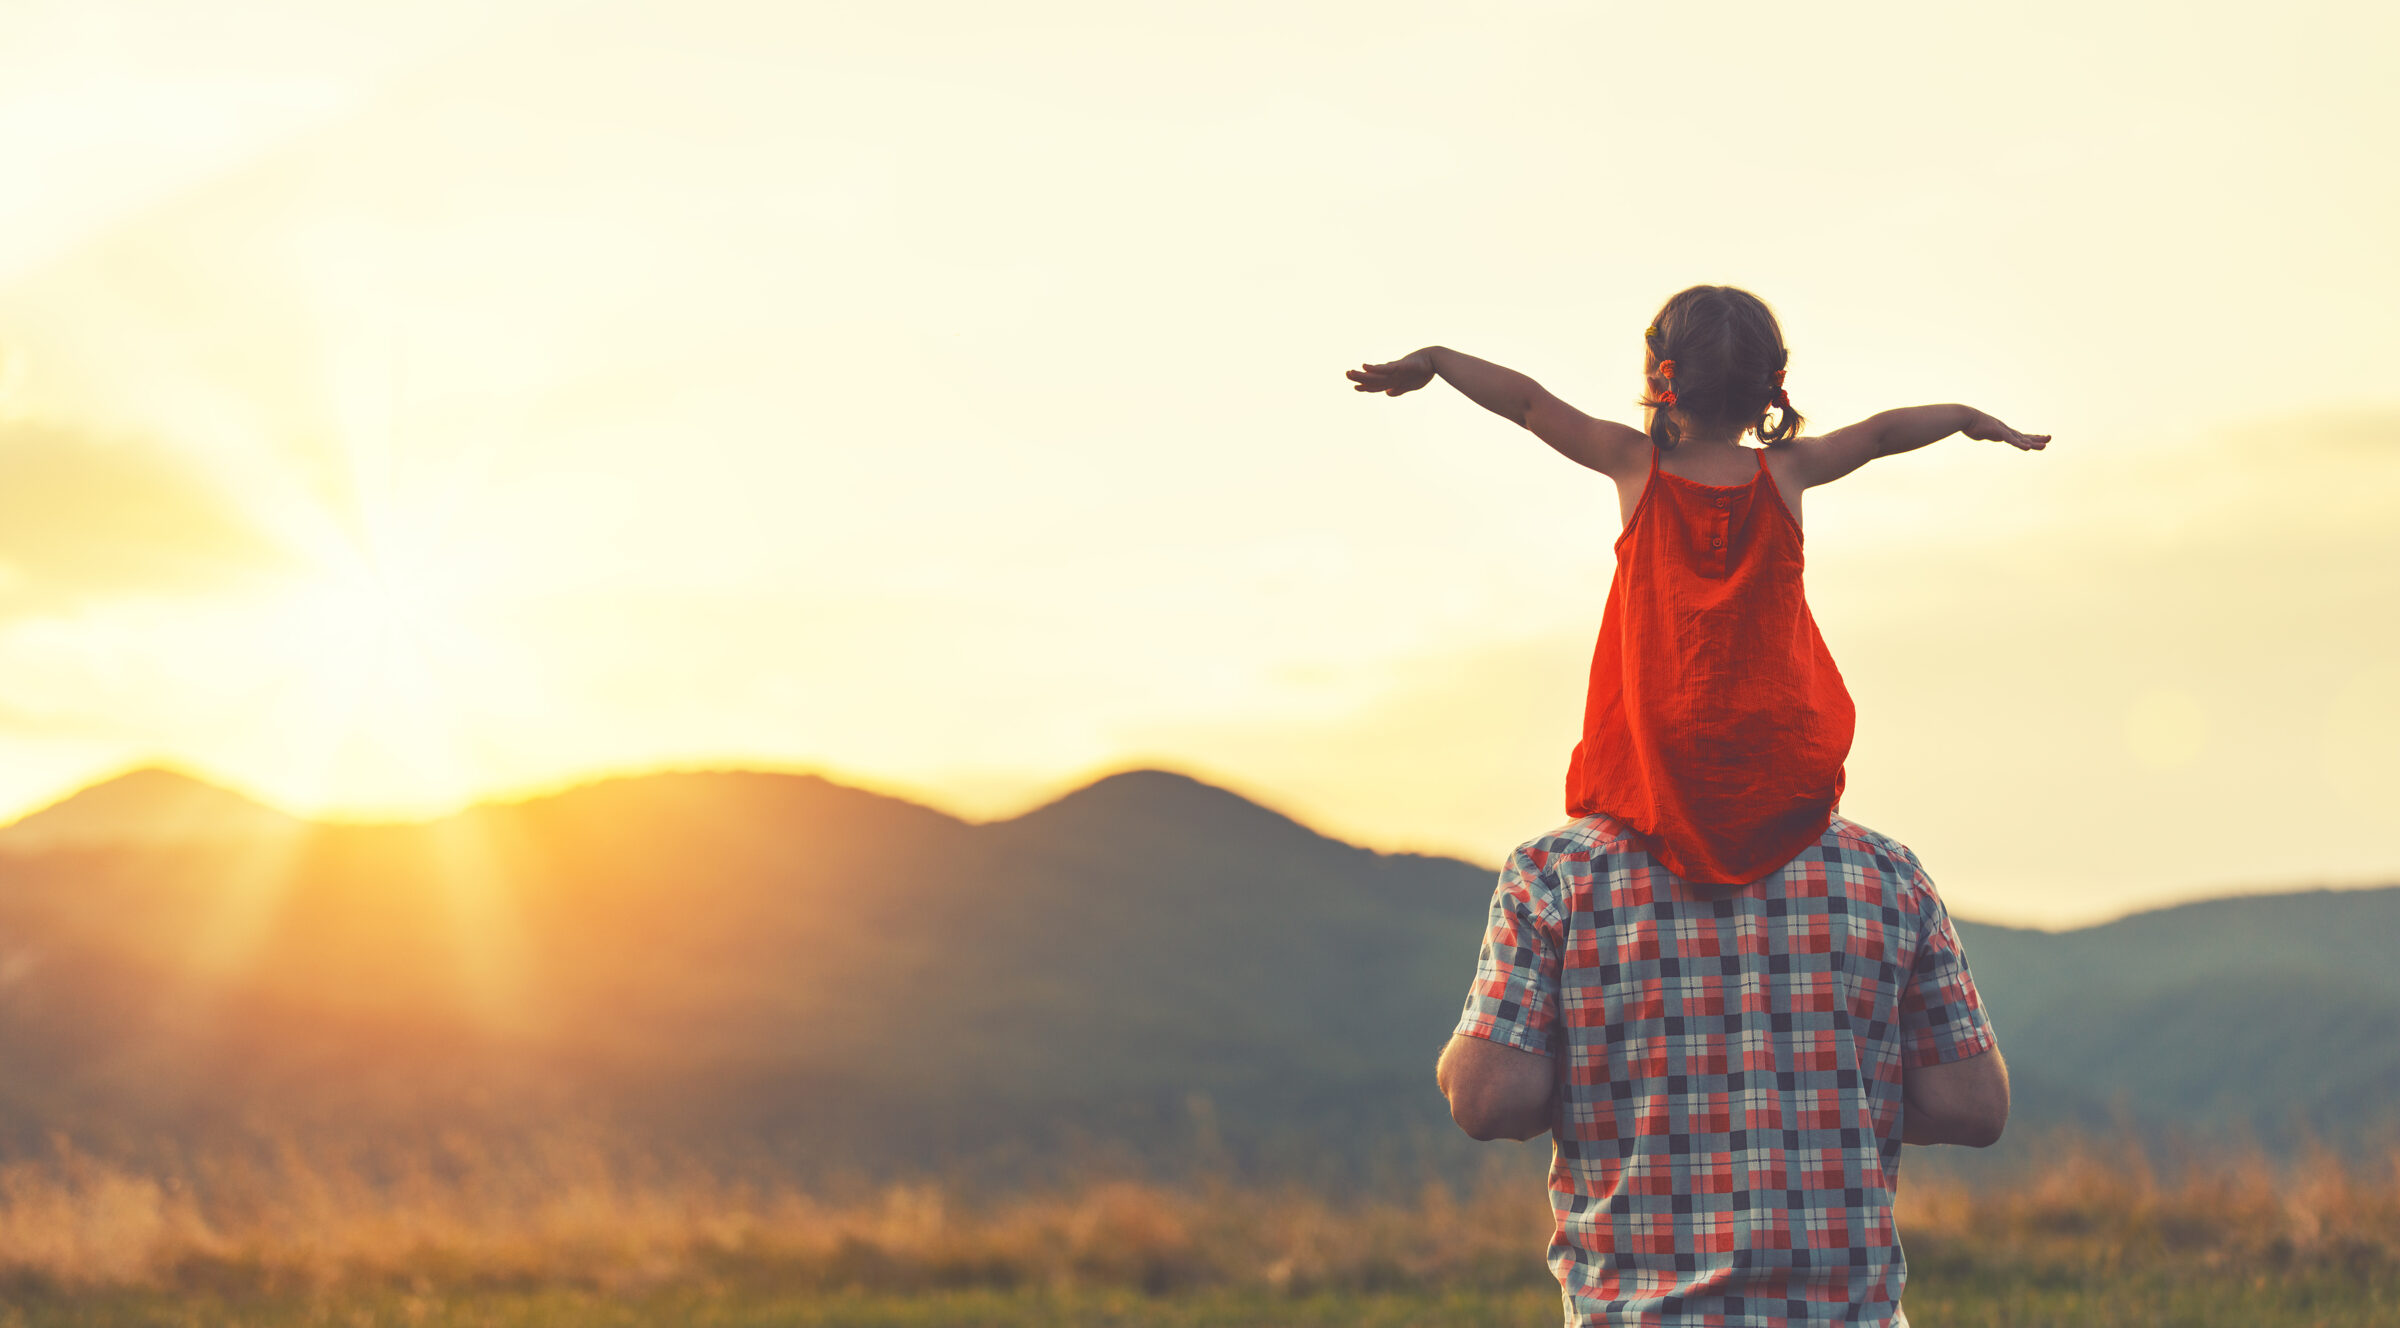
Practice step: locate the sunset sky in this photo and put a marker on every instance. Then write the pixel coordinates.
(405, 404)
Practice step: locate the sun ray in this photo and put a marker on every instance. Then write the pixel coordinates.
(373, 675)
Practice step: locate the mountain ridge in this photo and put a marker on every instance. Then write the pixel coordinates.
(176, 803)
(731, 955)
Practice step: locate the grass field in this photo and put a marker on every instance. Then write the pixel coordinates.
(1985, 1298)
(562, 1234)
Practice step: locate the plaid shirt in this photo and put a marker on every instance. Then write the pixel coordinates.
(1728, 1137)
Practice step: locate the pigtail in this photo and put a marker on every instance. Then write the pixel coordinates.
(1663, 432)
(1788, 427)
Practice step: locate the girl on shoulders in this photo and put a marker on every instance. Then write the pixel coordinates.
(1716, 725)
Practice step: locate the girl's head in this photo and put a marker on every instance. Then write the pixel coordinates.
(1715, 365)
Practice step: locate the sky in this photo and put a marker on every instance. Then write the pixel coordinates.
(407, 404)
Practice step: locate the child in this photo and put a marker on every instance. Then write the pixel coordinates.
(1716, 723)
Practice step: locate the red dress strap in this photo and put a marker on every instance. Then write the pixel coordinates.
(1775, 488)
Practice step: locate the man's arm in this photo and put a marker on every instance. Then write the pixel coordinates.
(1824, 460)
(1953, 1083)
(1500, 1070)
(1601, 445)
(1955, 1102)
(1497, 1092)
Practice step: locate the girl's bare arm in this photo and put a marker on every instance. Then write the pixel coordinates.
(1610, 448)
(1824, 460)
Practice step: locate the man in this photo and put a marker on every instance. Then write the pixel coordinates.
(1727, 1073)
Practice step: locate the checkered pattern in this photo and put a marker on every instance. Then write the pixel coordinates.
(1728, 1138)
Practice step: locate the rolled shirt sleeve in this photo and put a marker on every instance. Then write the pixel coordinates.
(1514, 999)
(1942, 1018)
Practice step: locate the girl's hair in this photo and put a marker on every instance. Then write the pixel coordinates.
(1729, 357)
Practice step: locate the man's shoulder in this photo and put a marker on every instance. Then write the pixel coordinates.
(1579, 840)
(1904, 882)
(1588, 837)
(1857, 842)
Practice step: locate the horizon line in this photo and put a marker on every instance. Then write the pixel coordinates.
(1051, 791)
(1055, 791)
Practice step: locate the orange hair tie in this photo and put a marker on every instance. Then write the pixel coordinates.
(1666, 370)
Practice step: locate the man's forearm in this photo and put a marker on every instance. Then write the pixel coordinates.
(1497, 388)
(1520, 1120)
(1530, 1125)
(1912, 427)
(1960, 1102)
(1498, 1092)
(1919, 1126)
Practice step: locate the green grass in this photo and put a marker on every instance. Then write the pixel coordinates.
(1955, 1296)
(2151, 1298)
(946, 1309)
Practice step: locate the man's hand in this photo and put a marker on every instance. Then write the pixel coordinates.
(1991, 430)
(1406, 374)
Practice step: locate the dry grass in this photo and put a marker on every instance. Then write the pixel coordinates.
(563, 1213)
(2098, 1208)
(579, 1216)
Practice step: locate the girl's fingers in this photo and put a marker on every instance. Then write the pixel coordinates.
(1392, 379)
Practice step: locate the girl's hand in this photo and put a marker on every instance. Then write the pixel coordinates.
(1406, 374)
(1993, 431)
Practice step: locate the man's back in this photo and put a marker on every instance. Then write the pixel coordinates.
(1730, 1112)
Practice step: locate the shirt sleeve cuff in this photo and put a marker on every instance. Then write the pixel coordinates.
(1941, 1051)
(1506, 1035)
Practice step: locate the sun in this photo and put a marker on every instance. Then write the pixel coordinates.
(377, 667)
(383, 657)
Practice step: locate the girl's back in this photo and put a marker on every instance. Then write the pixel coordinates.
(1715, 721)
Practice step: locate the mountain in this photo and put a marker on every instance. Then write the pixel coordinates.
(733, 955)
(146, 806)
(2275, 1013)
(781, 962)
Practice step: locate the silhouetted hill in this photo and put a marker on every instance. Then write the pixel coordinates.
(765, 955)
(2279, 1012)
(150, 805)
(847, 977)
(1157, 804)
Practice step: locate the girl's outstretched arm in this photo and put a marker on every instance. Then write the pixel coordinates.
(1824, 460)
(1610, 448)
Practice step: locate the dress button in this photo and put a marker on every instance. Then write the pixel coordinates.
(1722, 501)
(1716, 544)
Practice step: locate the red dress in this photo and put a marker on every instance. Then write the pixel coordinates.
(1716, 724)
